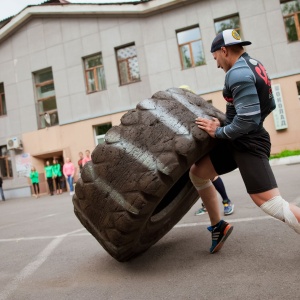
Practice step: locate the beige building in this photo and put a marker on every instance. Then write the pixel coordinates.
(70, 71)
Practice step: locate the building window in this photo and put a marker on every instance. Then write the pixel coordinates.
(298, 88)
(5, 163)
(291, 16)
(46, 100)
(128, 65)
(190, 47)
(100, 131)
(2, 101)
(94, 73)
(232, 22)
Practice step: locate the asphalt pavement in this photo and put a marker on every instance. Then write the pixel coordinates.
(45, 253)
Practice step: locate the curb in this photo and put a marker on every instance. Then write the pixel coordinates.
(290, 160)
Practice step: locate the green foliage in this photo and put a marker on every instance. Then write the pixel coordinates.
(291, 29)
(102, 129)
(200, 61)
(289, 9)
(285, 153)
(230, 23)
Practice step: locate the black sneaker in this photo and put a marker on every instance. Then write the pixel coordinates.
(219, 235)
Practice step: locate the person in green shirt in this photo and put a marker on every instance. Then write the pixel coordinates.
(34, 176)
(49, 176)
(56, 169)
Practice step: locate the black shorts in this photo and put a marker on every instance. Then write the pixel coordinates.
(252, 159)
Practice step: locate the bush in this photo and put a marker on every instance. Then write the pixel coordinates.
(285, 153)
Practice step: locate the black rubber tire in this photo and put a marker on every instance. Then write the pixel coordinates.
(136, 188)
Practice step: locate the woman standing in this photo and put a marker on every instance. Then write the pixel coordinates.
(69, 170)
(49, 176)
(57, 176)
(34, 176)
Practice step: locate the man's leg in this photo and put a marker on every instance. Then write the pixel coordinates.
(262, 187)
(201, 174)
(220, 187)
(204, 169)
(273, 204)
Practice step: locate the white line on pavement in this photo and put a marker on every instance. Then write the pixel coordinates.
(76, 232)
(30, 268)
(14, 224)
(33, 266)
(230, 221)
(32, 238)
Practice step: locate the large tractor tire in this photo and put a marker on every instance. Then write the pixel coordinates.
(137, 187)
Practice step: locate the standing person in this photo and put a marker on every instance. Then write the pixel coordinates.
(34, 177)
(49, 176)
(87, 157)
(227, 204)
(242, 141)
(69, 170)
(80, 163)
(1, 189)
(57, 176)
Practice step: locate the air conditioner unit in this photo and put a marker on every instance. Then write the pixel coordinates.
(13, 143)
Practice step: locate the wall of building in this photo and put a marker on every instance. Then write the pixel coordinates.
(287, 139)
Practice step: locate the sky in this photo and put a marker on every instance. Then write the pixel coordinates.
(9, 8)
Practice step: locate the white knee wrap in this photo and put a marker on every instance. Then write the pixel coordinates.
(280, 209)
(199, 183)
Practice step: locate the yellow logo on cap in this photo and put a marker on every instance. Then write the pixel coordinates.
(235, 35)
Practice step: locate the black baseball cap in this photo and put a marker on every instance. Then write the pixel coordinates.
(227, 37)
